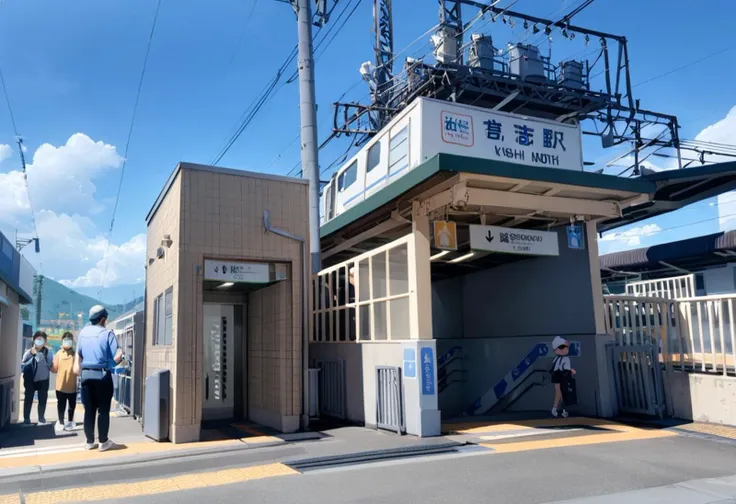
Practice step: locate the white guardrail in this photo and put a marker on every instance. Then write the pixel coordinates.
(694, 333)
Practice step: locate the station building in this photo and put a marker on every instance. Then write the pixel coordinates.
(226, 298)
(449, 264)
(16, 290)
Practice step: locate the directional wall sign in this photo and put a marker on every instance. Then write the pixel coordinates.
(514, 241)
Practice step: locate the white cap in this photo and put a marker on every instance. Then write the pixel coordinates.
(558, 342)
(97, 312)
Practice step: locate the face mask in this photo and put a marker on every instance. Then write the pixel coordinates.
(67, 343)
(39, 342)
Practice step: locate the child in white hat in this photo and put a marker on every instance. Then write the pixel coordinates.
(561, 371)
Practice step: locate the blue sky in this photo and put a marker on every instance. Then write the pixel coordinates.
(73, 68)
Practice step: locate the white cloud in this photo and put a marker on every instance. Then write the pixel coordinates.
(60, 178)
(62, 182)
(624, 240)
(77, 254)
(6, 152)
(723, 131)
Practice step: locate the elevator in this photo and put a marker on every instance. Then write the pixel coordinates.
(224, 364)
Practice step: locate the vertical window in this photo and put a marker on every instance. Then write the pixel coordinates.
(156, 328)
(162, 318)
(168, 315)
(374, 156)
(349, 176)
(398, 151)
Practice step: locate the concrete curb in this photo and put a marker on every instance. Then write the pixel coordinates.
(138, 458)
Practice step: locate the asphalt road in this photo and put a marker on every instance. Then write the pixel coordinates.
(537, 476)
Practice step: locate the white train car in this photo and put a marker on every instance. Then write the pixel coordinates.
(428, 127)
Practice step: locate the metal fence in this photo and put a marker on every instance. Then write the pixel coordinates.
(122, 396)
(638, 378)
(668, 288)
(389, 400)
(332, 396)
(692, 334)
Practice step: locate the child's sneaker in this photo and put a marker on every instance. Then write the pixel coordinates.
(565, 414)
(70, 426)
(58, 427)
(554, 412)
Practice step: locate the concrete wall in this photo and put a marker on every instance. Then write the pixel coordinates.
(360, 360)
(218, 214)
(488, 360)
(703, 397)
(498, 315)
(160, 275)
(274, 356)
(534, 297)
(719, 280)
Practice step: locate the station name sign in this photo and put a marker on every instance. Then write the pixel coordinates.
(484, 133)
(514, 241)
(236, 271)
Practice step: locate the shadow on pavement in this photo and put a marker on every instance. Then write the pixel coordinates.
(19, 436)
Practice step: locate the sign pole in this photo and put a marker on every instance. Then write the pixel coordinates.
(308, 112)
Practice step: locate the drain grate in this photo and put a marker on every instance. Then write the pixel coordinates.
(311, 464)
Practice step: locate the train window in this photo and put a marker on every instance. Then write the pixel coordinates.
(348, 177)
(398, 155)
(374, 155)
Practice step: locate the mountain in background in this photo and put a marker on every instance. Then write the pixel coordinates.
(117, 294)
(61, 306)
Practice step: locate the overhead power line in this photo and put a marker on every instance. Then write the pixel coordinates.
(127, 141)
(275, 84)
(19, 141)
(687, 65)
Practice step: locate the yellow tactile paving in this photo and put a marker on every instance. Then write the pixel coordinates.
(10, 499)
(258, 437)
(725, 431)
(153, 487)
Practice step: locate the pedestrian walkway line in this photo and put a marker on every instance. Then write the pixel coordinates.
(79, 454)
(613, 433)
(490, 426)
(154, 487)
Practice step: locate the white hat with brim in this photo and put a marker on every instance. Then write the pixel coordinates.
(97, 312)
(558, 342)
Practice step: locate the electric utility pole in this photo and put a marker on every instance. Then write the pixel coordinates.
(308, 112)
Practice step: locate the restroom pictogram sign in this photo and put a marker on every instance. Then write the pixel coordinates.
(445, 235)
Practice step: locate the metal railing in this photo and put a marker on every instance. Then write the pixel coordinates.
(669, 288)
(332, 389)
(389, 401)
(693, 334)
(708, 332)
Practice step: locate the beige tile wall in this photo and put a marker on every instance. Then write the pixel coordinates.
(222, 217)
(160, 275)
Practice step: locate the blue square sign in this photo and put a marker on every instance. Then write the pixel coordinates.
(575, 238)
(410, 363)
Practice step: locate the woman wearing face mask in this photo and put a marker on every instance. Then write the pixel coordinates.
(66, 382)
(36, 371)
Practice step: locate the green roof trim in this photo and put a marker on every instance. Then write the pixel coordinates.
(452, 163)
(696, 171)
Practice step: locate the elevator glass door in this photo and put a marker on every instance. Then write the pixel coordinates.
(219, 362)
